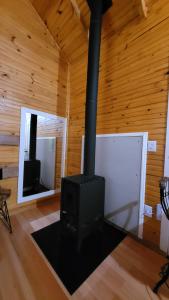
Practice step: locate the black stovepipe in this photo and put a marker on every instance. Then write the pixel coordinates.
(98, 7)
(92, 87)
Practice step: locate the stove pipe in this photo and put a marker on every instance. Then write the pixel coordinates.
(33, 134)
(97, 7)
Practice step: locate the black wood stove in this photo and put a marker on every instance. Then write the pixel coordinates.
(32, 166)
(82, 196)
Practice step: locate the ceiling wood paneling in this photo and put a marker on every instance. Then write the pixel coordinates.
(65, 25)
(68, 22)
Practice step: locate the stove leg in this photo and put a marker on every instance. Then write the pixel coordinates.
(162, 280)
(5, 215)
(79, 245)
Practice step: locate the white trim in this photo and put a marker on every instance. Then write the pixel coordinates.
(143, 184)
(37, 196)
(41, 113)
(144, 135)
(25, 110)
(46, 138)
(21, 156)
(64, 149)
(82, 155)
(164, 232)
(166, 160)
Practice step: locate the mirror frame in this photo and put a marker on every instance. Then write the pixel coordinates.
(25, 110)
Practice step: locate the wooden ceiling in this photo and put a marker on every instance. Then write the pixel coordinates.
(64, 24)
(68, 21)
(121, 13)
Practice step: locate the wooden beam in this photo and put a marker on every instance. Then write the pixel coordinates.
(78, 13)
(142, 6)
(76, 7)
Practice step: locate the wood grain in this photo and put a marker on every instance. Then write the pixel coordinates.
(142, 6)
(33, 74)
(22, 267)
(129, 272)
(134, 65)
(133, 89)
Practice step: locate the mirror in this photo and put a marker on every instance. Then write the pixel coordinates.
(42, 154)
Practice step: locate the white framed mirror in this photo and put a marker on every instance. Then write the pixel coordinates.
(42, 154)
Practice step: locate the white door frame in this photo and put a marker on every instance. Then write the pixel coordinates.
(25, 110)
(144, 135)
(164, 233)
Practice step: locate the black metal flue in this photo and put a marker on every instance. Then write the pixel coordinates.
(82, 196)
(33, 133)
(97, 7)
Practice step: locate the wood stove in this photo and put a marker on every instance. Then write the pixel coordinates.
(32, 166)
(82, 196)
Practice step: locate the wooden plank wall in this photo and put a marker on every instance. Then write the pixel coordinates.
(133, 92)
(32, 74)
(61, 18)
(134, 80)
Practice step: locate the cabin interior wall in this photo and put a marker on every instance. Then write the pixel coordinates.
(133, 90)
(33, 74)
(133, 94)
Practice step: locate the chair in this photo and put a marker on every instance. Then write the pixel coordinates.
(164, 198)
(4, 214)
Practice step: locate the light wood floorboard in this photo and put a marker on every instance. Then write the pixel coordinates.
(128, 273)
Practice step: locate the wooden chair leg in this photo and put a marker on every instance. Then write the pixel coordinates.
(163, 280)
(5, 215)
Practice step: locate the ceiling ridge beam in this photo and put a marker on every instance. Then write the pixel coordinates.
(78, 14)
(142, 6)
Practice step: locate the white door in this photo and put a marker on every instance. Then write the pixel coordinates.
(46, 153)
(121, 159)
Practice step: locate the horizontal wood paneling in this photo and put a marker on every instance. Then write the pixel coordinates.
(33, 74)
(133, 72)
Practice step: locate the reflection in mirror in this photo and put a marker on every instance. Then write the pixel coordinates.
(42, 150)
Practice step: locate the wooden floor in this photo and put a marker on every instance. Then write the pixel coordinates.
(128, 273)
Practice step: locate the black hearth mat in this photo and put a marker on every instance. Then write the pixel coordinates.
(72, 267)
